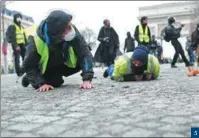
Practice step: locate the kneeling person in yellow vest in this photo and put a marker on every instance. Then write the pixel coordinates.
(134, 66)
(57, 49)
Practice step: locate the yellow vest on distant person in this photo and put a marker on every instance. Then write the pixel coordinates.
(20, 39)
(143, 34)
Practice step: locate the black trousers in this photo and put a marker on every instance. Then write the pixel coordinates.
(17, 54)
(53, 76)
(178, 50)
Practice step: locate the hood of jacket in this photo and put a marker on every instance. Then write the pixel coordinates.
(15, 18)
(52, 28)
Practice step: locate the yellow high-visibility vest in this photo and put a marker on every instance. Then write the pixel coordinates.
(143, 35)
(20, 39)
(43, 50)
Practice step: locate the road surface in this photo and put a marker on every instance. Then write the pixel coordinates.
(165, 107)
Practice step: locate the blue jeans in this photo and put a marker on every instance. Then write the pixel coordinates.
(110, 70)
(191, 55)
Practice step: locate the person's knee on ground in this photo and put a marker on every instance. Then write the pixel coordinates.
(55, 81)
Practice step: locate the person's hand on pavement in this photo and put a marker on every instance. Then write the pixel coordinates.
(45, 87)
(149, 76)
(86, 85)
(138, 77)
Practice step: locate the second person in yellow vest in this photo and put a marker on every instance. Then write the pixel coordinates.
(16, 36)
(57, 50)
(142, 33)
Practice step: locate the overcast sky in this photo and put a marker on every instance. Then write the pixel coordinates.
(122, 14)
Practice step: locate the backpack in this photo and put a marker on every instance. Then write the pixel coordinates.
(164, 34)
(9, 35)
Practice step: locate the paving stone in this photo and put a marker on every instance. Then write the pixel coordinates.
(35, 119)
(176, 120)
(148, 124)
(166, 107)
(79, 132)
(77, 115)
(23, 127)
(137, 132)
(25, 134)
(7, 133)
(52, 130)
(66, 121)
(173, 135)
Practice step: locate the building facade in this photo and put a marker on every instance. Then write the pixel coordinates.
(185, 13)
(7, 18)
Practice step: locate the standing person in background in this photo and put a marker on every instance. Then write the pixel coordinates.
(109, 43)
(129, 43)
(142, 33)
(190, 52)
(153, 46)
(174, 34)
(16, 36)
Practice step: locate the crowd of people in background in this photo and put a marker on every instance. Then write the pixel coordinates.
(142, 36)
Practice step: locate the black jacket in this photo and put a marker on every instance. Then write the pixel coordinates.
(153, 44)
(136, 35)
(129, 44)
(102, 54)
(56, 57)
(173, 33)
(195, 37)
(111, 33)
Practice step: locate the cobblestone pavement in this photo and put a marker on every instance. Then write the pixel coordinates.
(165, 107)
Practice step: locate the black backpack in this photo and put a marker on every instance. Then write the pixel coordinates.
(9, 35)
(164, 34)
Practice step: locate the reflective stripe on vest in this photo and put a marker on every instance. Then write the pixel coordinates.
(20, 39)
(143, 34)
(72, 60)
(43, 51)
(150, 66)
(128, 60)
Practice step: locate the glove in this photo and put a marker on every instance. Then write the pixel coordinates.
(17, 48)
(106, 39)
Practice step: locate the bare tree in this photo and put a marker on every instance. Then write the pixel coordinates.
(89, 36)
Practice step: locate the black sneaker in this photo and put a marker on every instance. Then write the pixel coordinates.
(105, 75)
(174, 66)
(25, 81)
